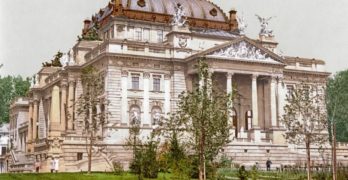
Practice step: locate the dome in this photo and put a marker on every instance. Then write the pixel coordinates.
(200, 13)
(199, 9)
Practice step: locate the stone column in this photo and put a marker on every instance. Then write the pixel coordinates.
(63, 106)
(30, 127)
(273, 102)
(146, 104)
(124, 97)
(55, 111)
(166, 94)
(256, 133)
(229, 82)
(281, 99)
(35, 118)
(70, 105)
(255, 110)
(278, 133)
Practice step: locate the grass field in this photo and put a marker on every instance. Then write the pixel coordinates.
(72, 176)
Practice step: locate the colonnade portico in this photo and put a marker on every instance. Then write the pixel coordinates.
(255, 132)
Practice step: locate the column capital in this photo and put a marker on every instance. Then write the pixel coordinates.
(167, 76)
(124, 73)
(229, 74)
(71, 81)
(64, 83)
(254, 76)
(146, 75)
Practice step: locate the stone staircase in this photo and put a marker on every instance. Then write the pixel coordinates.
(20, 162)
(248, 154)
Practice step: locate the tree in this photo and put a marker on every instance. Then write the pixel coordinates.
(144, 163)
(337, 105)
(91, 107)
(10, 88)
(305, 118)
(204, 114)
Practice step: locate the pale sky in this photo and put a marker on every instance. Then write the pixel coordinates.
(32, 31)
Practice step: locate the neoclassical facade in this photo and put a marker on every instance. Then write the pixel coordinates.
(147, 52)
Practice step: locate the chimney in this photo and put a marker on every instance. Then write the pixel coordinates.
(86, 22)
(233, 20)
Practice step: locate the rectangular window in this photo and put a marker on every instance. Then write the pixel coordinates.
(112, 32)
(146, 34)
(156, 83)
(159, 36)
(135, 81)
(79, 156)
(138, 34)
(3, 150)
(290, 89)
(130, 32)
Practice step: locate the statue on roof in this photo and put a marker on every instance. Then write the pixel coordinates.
(264, 26)
(242, 25)
(179, 18)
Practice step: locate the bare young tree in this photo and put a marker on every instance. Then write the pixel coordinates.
(305, 118)
(91, 106)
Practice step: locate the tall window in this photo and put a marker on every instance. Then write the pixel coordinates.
(159, 36)
(138, 34)
(130, 32)
(157, 83)
(146, 34)
(79, 156)
(135, 81)
(290, 89)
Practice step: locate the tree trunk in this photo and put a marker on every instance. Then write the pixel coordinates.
(334, 161)
(309, 177)
(90, 154)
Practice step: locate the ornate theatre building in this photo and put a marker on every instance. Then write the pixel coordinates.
(146, 51)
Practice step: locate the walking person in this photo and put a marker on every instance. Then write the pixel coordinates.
(52, 165)
(268, 164)
(56, 165)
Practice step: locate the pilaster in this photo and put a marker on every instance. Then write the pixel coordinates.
(70, 105)
(124, 96)
(146, 110)
(273, 102)
(167, 94)
(63, 105)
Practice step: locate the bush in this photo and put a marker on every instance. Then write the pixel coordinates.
(145, 163)
(254, 174)
(242, 173)
(225, 162)
(118, 168)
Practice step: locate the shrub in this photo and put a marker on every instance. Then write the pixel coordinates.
(118, 168)
(242, 173)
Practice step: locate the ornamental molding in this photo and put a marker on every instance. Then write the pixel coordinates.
(243, 50)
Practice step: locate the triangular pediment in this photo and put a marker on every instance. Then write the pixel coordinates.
(243, 49)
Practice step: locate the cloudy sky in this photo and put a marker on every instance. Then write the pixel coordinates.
(32, 31)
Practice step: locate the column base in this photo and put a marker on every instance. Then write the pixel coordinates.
(255, 134)
(278, 135)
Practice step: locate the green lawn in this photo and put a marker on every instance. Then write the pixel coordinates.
(72, 176)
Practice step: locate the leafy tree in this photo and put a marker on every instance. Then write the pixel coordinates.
(204, 114)
(337, 105)
(10, 88)
(305, 118)
(91, 106)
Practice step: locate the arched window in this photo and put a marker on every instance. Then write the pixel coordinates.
(156, 115)
(134, 115)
